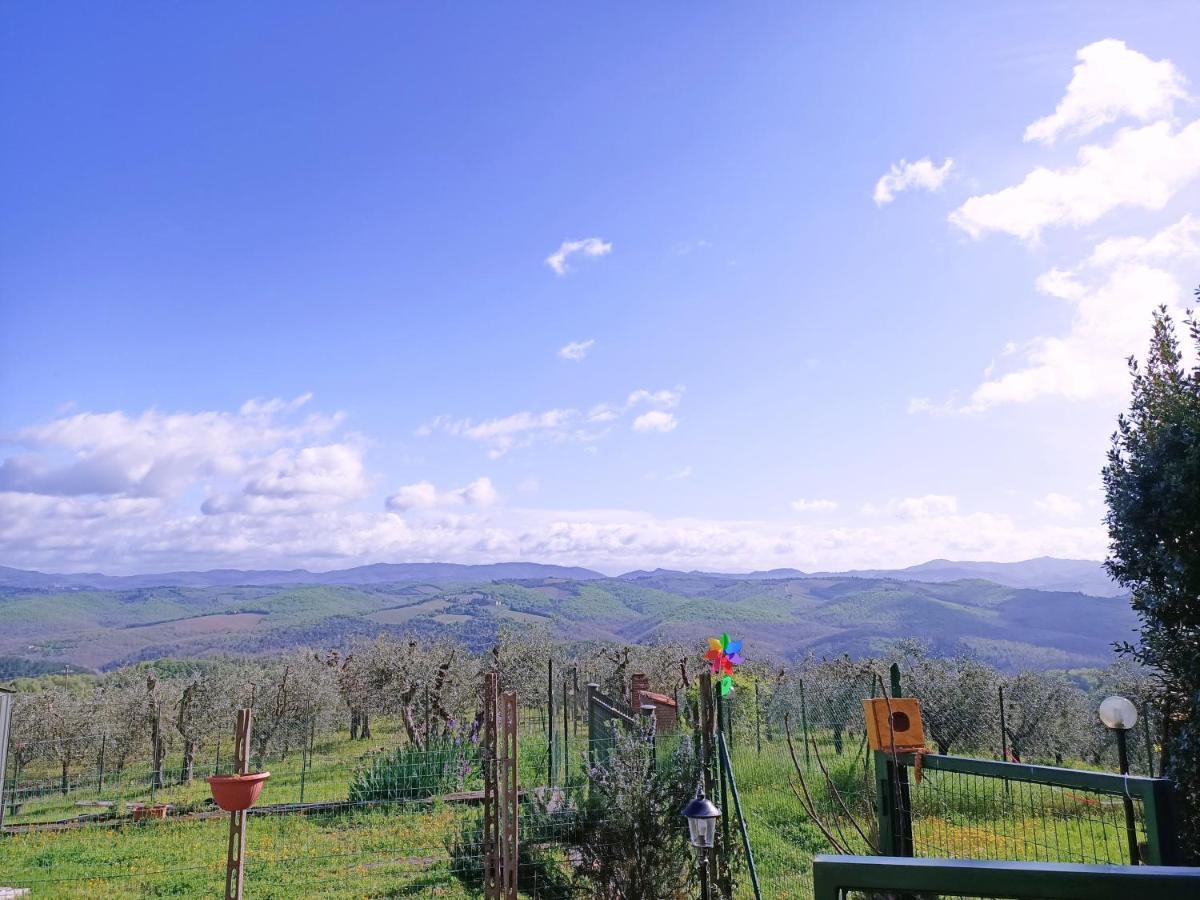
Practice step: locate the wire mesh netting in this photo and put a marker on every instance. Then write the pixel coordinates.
(395, 808)
(964, 816)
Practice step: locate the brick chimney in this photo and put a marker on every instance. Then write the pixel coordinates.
(637, 684)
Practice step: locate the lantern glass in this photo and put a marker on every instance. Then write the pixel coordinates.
(1118, 713)
(701, 814)
(703, 832)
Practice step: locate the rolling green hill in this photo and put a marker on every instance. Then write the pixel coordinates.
(781, 617)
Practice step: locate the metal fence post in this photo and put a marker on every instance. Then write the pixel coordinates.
(904, 831)
(1161, 828)
(550, 721)
(804, 725)
(6, 703)
(757, 725)
(100, 774)
(591, 730)
(566, 738)
(1003, 728)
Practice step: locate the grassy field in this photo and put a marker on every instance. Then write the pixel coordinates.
(400, 850)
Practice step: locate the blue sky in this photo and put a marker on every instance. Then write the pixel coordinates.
(279, 284)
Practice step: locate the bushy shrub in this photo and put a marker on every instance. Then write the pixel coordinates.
(633, 841)
(548, 820)
(409, 773)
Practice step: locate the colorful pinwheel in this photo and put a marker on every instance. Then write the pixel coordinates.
(723, 654)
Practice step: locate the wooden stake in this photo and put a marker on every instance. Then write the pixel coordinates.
(235, 869)
(508, 798)
(491, 829)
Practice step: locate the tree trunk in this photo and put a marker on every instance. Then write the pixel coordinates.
(354, 725)
(189, 761)
(943, 747)
(364, 726)
(837, 741)
(65, 783)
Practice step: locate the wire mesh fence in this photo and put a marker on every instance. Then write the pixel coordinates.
(387, 814)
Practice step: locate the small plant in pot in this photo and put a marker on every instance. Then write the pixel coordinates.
(237, 792)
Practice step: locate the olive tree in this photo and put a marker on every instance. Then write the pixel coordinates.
(957, 695)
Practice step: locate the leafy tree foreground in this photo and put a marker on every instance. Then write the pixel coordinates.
(1152, 485)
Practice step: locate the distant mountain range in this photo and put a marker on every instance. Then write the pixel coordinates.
(1044, 573)
(379, 573)
(83, 620)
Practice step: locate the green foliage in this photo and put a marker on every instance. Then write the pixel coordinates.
(20, 667)
(409, 773)
(1152, 485)
(633, 842)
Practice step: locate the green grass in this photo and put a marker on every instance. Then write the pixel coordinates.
(400, 850)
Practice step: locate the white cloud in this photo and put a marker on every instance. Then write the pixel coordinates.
(655, 420)
(803, 505)
(153, 454)
(1113, 294)
(681, 473)
(904, 175)
(424, 495)
(664, 399)
(1142, 167)
(262, 488)
(926, 507)
(523, 429)
(1058, 505)
(117, 534)
(520, 429)
(589, 247)
(576, 350)
(292, 481)
(1111, 82)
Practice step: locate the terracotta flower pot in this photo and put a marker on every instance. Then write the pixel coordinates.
(147, 813)
(235, 792)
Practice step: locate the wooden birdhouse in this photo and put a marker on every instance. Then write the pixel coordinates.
(894, 724)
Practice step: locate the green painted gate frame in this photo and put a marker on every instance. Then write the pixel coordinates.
(1154, 794)
(833, 875)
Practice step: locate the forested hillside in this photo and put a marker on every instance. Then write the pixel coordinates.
(782, 617)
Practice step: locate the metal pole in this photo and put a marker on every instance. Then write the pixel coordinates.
(550, 721)
(1003, 729)
(566, 751)
(100, 775)
(6, 702)
(1130, 827)
(757, 724)
(804, 724)
(702, 855)
(721, 779)
(1149, 744)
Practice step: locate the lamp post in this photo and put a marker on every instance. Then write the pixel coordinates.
(1119, 715)
(702, 815)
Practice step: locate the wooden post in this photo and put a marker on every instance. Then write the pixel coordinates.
(491, 829)
(427, 716)
(235, 860)
(509, 834)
